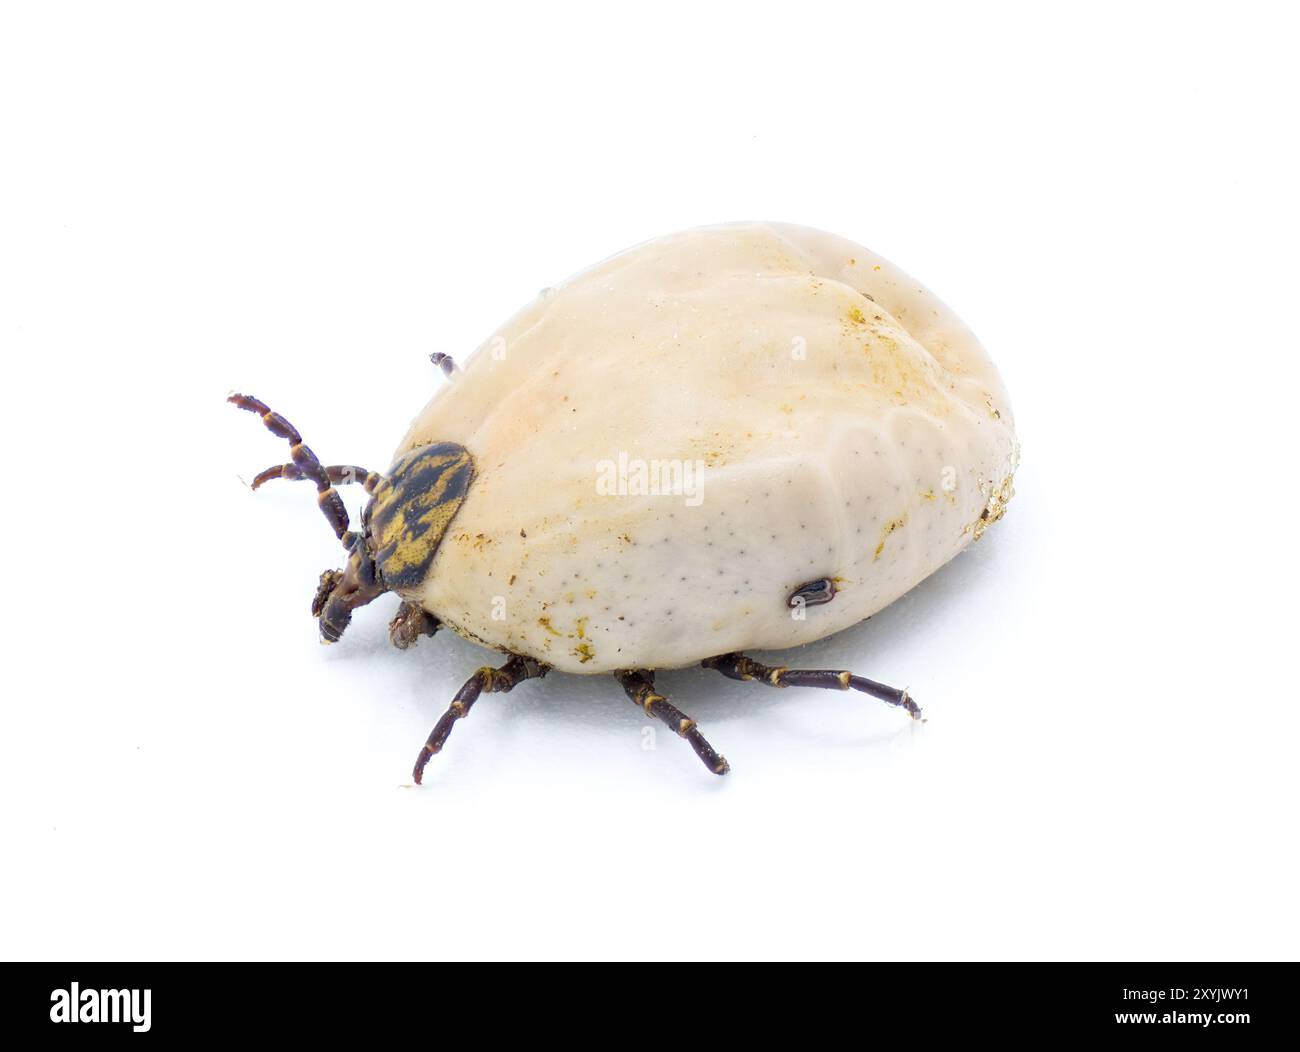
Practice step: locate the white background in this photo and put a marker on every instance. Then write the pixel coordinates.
(303, 201)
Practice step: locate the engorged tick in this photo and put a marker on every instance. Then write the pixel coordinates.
(730, 378)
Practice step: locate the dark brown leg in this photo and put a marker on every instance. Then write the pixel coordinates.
(338, 475)
(410, 624)
(486, 680)
(738, 666)
(305, 462)
(640, 687)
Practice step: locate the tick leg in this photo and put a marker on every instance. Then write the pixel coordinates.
(338, 475)
(410, 624)
(640, 687)
(486, 680)
(738, 666)
(306, 463)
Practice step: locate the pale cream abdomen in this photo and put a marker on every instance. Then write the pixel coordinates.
(849, 426)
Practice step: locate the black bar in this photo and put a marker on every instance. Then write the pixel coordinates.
(416, 1002)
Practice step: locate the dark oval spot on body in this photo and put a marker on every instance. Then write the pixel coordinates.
(813, 593)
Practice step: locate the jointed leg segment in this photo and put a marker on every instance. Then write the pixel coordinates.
(412, 622)
(338, 475)
(738, 666)
(340, 591)
(305, 465)
(486, 680)
(639, 684)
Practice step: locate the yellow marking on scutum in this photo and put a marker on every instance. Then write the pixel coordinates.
(409, 525)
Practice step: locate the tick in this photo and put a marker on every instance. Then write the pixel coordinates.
(740, 437)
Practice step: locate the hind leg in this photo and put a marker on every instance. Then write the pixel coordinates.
(738, 666)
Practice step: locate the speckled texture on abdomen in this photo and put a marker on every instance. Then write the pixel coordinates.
(849, 426)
